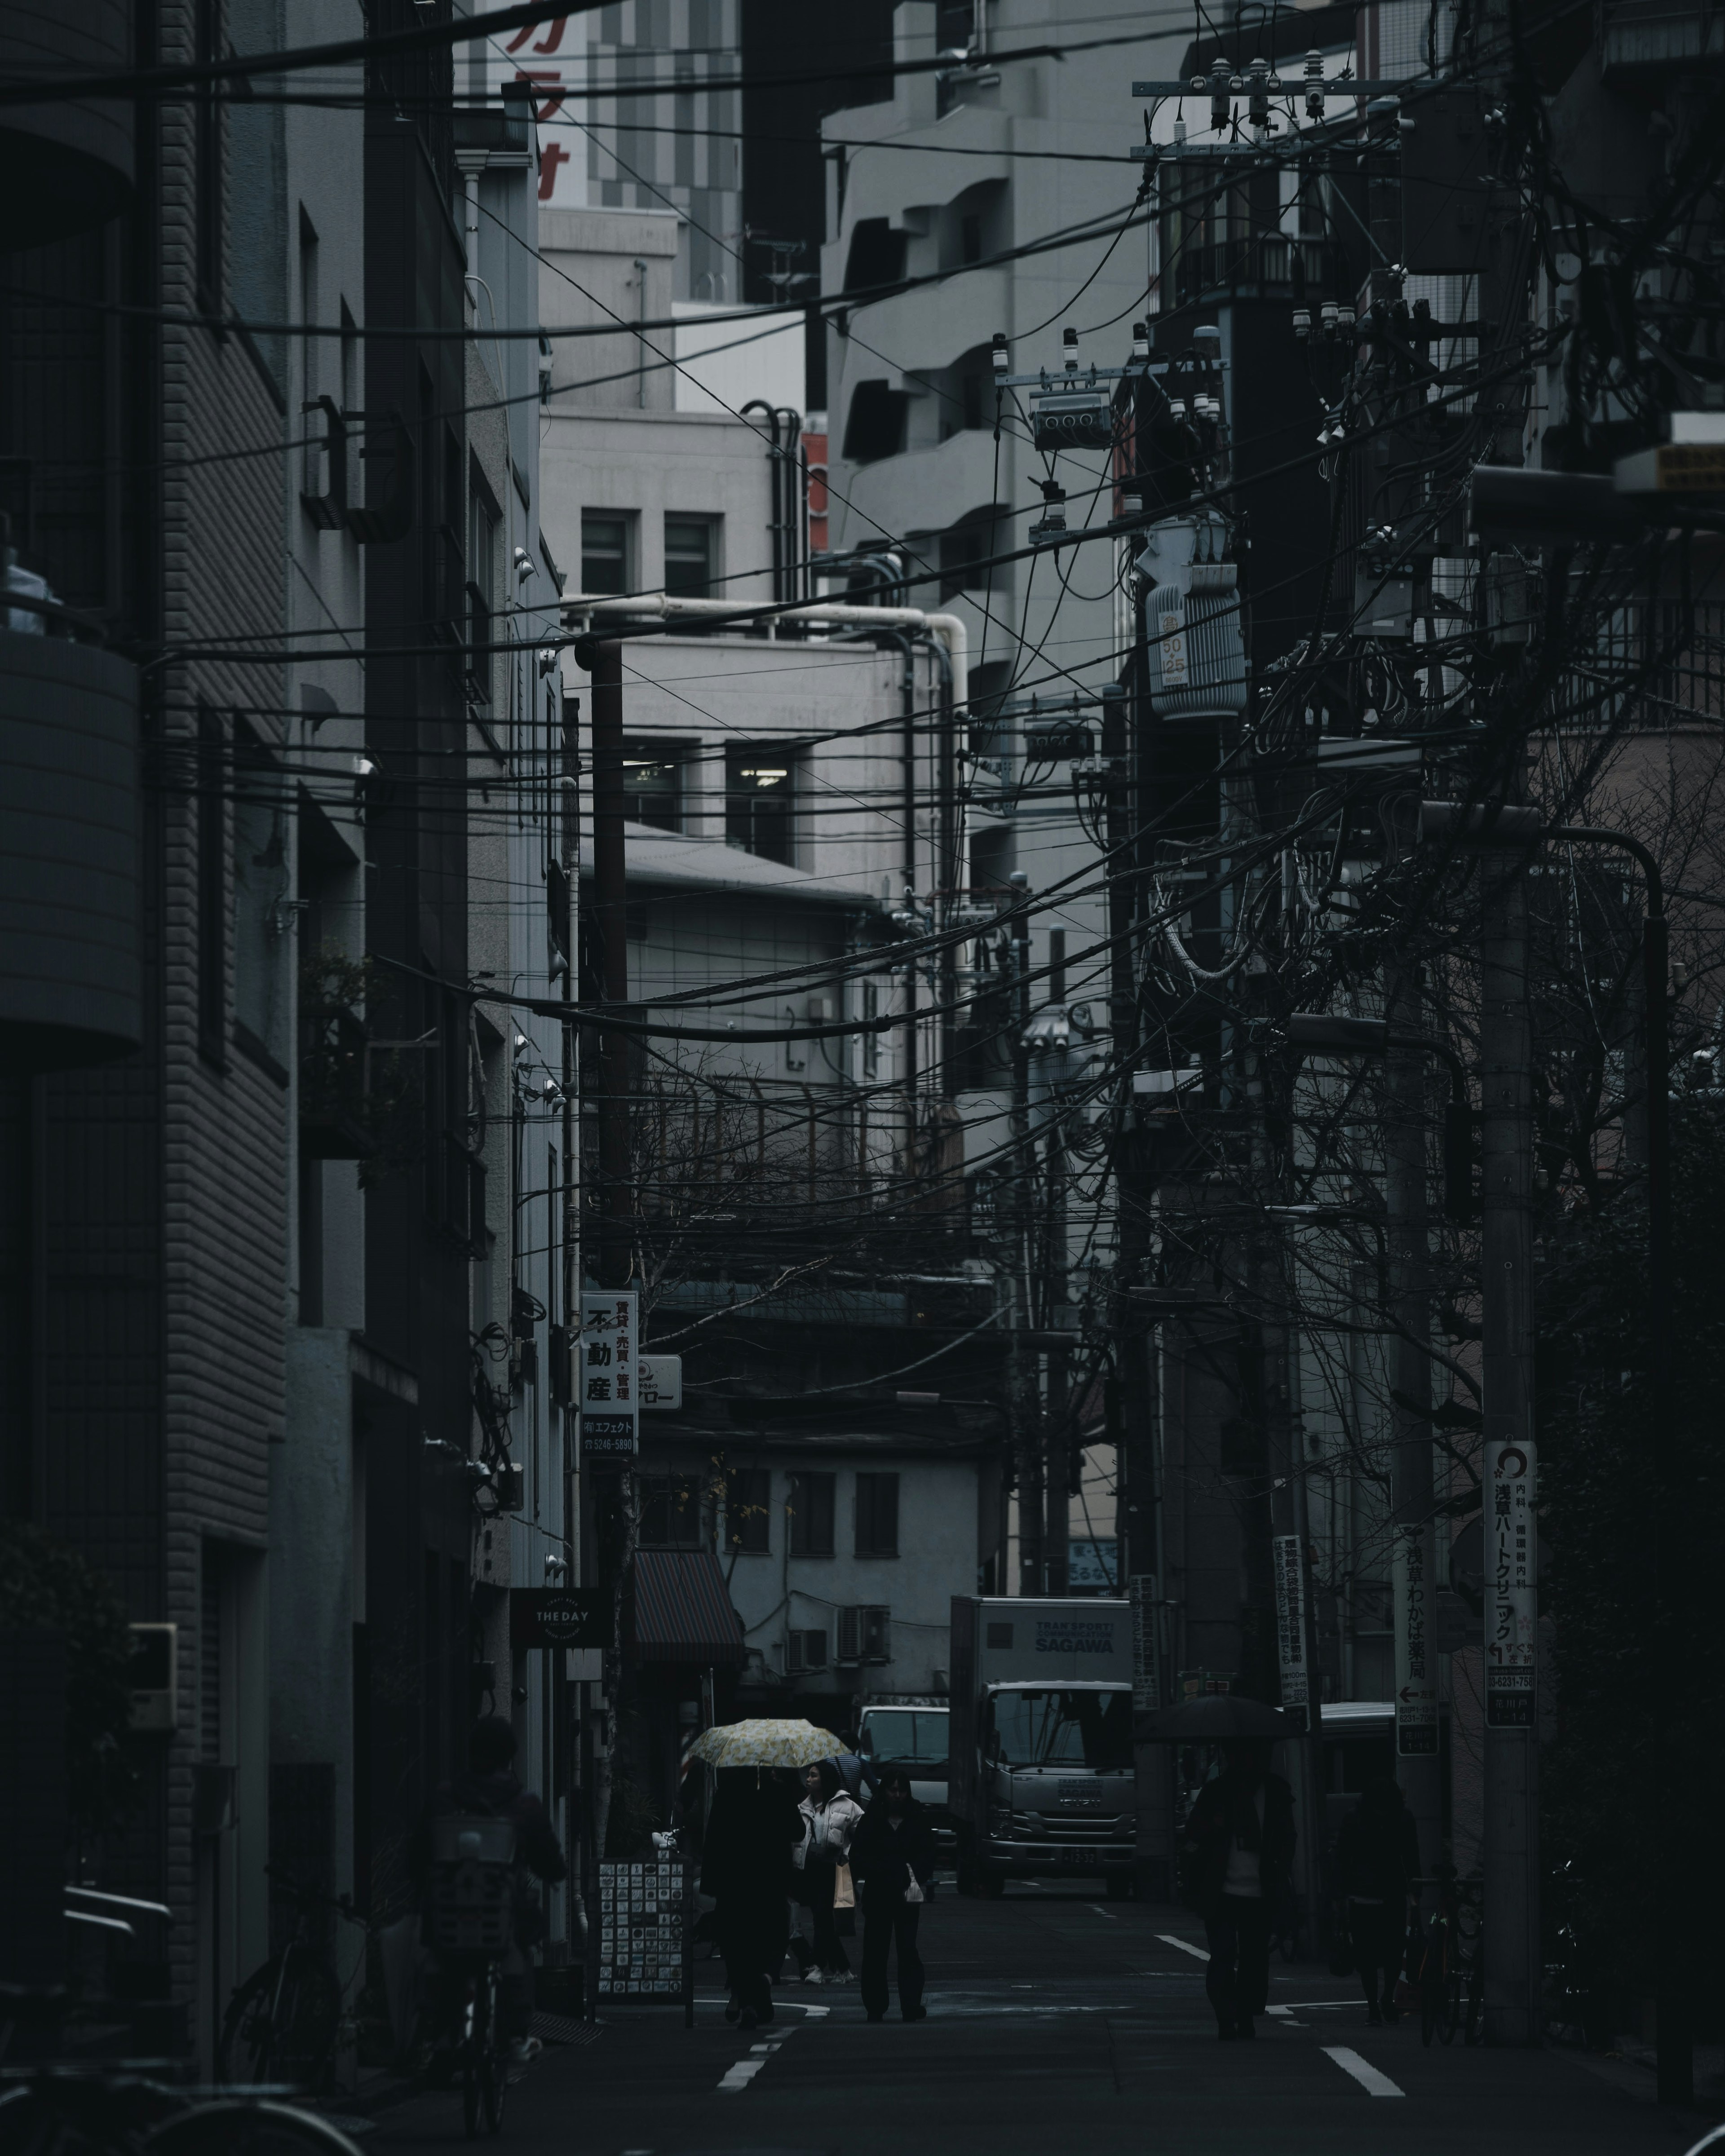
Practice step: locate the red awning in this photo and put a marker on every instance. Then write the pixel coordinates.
(682, 1613)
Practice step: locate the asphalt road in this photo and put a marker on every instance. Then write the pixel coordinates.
(1057, 2022)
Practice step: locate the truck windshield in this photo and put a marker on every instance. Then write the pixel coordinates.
(905, 1737)
(1087, 1729)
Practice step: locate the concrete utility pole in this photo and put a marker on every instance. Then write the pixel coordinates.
(1022, 1405)
(1509, 1487)
(1418, 1766)
(611, 924)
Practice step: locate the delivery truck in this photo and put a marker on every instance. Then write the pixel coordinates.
(1039, 1774)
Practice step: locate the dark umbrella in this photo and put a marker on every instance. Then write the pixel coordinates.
(1217, 1716)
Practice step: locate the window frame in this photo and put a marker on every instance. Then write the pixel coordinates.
(711, 527)
(871, 1484)
(663, 1490)
(624, 520)
(741, 824)
(755, 1502)
(805, 1520)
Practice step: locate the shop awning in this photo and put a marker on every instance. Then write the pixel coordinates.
(682, 1613)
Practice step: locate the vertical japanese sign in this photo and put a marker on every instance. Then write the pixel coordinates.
(1146, 1677)
(1290, 1630)
(551, 57)
(1416, 1686)
(607, 1376)
(1510, 1611)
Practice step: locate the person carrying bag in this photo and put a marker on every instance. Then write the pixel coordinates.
(892, 1854)
(830, 1817)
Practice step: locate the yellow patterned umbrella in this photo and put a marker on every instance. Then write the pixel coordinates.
(764, 1743)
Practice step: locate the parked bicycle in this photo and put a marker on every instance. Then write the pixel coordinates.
(1450, 1975)
(68, 2106)
(283, 2022)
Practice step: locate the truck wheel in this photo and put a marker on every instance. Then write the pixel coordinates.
(991, 1885)
(967, 1876)
(1119, 1885)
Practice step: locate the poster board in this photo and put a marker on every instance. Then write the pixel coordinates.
(646, 1934)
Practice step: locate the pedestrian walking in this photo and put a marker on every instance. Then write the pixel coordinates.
(830, 1817)
(892, 1858)
(1239, 1848)
(745, 1867)
(1377, 1854)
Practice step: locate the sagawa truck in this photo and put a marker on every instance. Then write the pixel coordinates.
(1040, 1773)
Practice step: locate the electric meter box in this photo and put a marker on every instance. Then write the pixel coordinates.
(1076, 418)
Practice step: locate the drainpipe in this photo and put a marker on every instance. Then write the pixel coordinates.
(667, 606)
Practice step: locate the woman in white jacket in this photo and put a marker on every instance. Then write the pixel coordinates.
(830, 1817)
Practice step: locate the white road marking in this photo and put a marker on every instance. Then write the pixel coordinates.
(1169, 1939)
(1363, 2071)
(741, 2075)
(1102, 1911)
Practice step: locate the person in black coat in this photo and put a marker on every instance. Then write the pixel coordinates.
(1377, 1854)
(892, 1862)
(1239, 1852)
(746, 1866)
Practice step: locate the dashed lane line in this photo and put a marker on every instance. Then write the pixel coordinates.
(737, 2078)
(1362, 2071)
(1173, 1939)
(1102, 1911)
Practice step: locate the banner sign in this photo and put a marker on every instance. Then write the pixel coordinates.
(607, 1376)
(1511, 1613)
(1416, 1686)
(1290, 1630)
(1146, 1680)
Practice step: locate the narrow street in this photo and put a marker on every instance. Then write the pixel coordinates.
(1057, 2021)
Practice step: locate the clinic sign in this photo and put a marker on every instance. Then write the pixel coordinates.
(1511, 1613)
(608, 1374)
(1291, 1630)
(1416, 1686)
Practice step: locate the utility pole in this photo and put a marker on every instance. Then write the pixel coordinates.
(1509, 1489)
(611, 924)
(1024, 1405)
(1418, 1765)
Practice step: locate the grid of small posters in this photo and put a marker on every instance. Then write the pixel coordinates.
(642, 1913)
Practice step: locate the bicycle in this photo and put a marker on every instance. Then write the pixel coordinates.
(1450, 1979)
(74, 2107)
(470, 1925)
(283, 2022)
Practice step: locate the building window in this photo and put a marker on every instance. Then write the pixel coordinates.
(760, 799)
(811, 1508)
(964, 553)
(874, 424)
(211, 815)
(604, 552)
(877, 1515)
(652, 786)
(671, 1513)
(691, 565)
(748, 1510)
(807, 1653)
